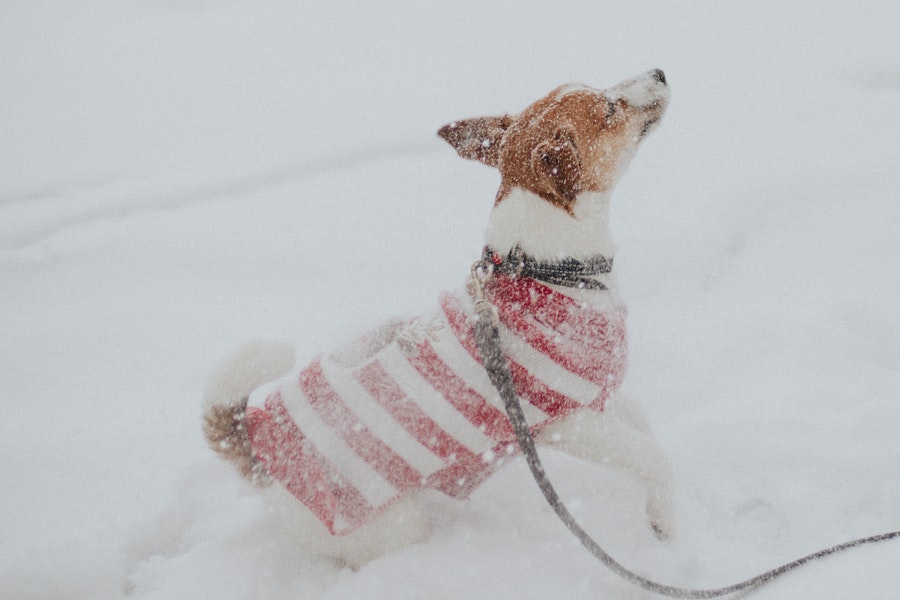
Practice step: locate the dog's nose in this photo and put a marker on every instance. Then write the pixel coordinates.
(659, 76)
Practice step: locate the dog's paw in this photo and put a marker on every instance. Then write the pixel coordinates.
(662, 533)
(661, 519)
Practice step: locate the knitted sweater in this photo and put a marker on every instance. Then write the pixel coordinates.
(410, 405)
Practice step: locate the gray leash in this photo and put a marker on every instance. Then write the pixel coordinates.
(487, 336)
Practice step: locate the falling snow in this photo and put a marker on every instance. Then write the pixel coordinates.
(177, 178)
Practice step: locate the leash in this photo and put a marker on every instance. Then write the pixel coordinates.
(487, 337)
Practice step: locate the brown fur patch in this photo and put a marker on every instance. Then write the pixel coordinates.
(568, 142)
(226, 432)
(565, 144)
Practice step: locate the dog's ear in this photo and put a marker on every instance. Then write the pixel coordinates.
(557, 164)
(478, 138)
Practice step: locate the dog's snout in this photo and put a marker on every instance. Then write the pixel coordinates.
(659, 76)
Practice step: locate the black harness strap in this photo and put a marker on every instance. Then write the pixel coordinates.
(568, 272)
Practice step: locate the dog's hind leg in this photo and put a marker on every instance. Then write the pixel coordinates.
(620, 437)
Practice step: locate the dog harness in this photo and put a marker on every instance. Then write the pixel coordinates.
(410, 405)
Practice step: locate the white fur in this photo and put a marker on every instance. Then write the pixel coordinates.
(621, 437)
(641, 91)
(547, 232)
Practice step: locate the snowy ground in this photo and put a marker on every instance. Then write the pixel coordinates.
(179, 176)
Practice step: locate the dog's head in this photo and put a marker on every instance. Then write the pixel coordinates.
(576, 139)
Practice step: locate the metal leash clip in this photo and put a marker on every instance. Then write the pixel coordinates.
(482, 271)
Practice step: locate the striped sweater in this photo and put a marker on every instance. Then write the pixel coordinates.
(410, 405)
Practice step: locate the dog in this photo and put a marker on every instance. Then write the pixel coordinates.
(343, 445)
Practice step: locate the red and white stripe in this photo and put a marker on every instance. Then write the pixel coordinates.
(348, 439)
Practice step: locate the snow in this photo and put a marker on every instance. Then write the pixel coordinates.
(179, 177)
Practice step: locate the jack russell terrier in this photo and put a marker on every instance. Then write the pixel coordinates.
(343, 444)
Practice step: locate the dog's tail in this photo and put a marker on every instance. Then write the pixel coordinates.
(226, 394)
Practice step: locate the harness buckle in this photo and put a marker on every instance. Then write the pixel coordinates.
(482, 271)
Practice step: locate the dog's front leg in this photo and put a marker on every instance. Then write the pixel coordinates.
(621, 437)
